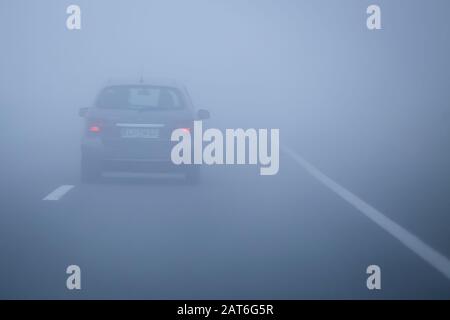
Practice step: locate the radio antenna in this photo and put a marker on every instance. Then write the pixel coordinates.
(141, 79)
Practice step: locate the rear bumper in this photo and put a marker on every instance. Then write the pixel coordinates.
(134, 165)
(123, 160)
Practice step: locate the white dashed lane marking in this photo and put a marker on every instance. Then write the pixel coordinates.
(58, 193)
(416, 245)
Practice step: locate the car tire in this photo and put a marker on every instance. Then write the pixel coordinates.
(90, 170)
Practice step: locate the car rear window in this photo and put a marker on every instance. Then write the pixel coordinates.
(139, 97)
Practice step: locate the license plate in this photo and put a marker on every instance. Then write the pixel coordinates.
(143, 133)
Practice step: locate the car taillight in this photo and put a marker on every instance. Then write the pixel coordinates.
(94, 128)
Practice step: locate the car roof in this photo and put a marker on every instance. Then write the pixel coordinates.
(163, 82)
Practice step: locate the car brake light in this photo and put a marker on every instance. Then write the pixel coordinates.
(94, 129)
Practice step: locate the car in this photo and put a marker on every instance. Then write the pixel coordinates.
(129, 128)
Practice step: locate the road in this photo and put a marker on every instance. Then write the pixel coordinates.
(237, 235)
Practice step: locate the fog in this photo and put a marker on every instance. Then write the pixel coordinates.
(310, 67)
(368, 108)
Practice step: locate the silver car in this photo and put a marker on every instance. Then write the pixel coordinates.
(129, 129)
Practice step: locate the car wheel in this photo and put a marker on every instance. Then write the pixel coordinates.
(90, 170)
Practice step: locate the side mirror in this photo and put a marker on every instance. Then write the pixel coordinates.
(82, 112)
(203, 114)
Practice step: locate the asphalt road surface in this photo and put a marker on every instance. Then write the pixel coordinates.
(236, 235)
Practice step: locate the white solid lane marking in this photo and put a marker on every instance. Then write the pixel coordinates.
(58, 193)
(430, 255)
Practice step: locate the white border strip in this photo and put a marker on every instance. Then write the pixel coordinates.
(58, 193)
(431, 256)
